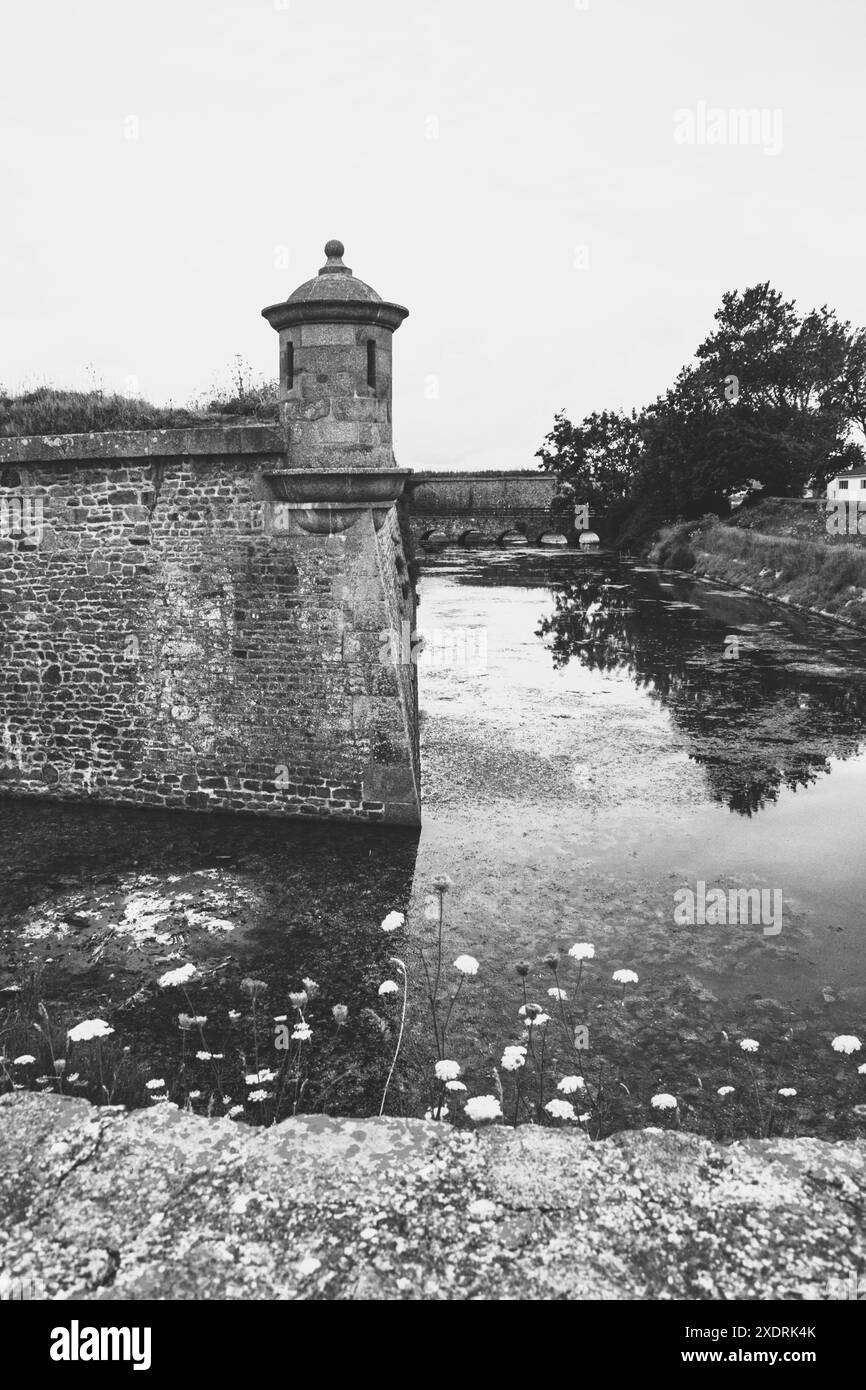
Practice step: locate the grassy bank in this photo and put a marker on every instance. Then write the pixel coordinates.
(828, 579)
(49, 410)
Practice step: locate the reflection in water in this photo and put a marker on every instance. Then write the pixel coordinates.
(757, 719)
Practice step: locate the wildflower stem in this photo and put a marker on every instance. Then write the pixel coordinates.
(440, 1102)
(450, 1011)
(47, 1035)
(569, 1030)
(204, 1046)
(530, 1040)
(757, 1097)
(599, 1096)
(394, 961)
(297, 1072)
(439, 1053)
(439, 961)
(785, 1042)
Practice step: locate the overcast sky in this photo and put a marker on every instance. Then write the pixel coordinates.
(516, 174)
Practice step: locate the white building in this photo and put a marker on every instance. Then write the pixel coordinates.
(848, 487)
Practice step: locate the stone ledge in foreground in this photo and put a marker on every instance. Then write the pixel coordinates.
(100, 1204)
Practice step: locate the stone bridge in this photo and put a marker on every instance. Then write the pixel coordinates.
(478, 508)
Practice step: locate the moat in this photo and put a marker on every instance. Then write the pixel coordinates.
(596, 737)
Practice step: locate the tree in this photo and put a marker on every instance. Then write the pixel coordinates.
(853, 382)
(772, 396)
(598, 458)
(785, 382)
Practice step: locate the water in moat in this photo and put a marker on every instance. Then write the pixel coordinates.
(597, 738)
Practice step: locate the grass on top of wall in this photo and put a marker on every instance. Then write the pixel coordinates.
(51, 410)
(830, 579)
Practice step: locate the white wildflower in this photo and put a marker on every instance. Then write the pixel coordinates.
(467, 965)
(582, 950)
(569, 1084)
(556, 993)
(389, 987)
(181, 976)
(847, 1043)
(302, 1033)
(749, 1045)
(155, 1084)
(560, 1109)
(393, 921)
(480, 1108)
(447, 1071)
(787, 1091)
(513, 1058)
(91, 1028)
(625, 977)
(725, 1090)
(257, 1096)
(663, 1101)
(454, 1086)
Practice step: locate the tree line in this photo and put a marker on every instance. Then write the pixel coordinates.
(774, 398)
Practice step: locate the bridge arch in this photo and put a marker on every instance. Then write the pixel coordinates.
(490, 503)
(434, 538)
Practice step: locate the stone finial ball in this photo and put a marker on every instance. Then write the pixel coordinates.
(334, 248)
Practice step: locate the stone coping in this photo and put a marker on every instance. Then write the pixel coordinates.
(98, 1204)
(432, 474)
(102, 445)
(303, 487)
(290, 312)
